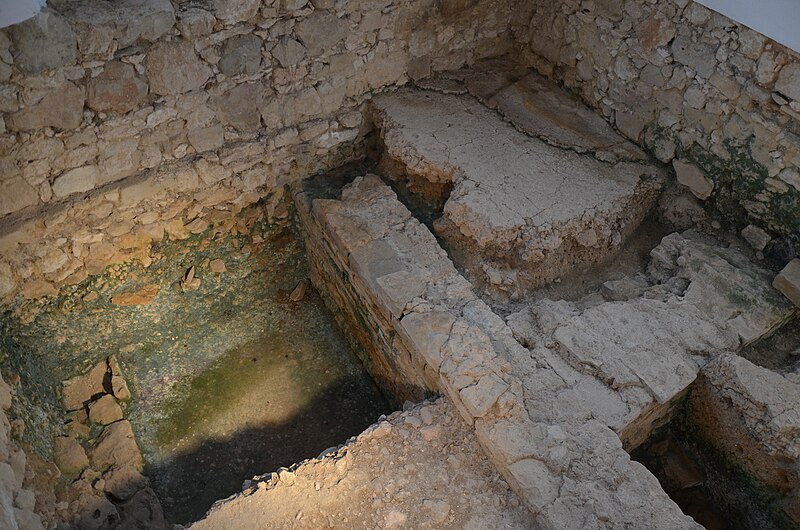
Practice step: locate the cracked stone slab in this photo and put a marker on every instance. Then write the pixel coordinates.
(528, 211)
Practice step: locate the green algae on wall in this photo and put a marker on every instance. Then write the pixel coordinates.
(741, 193)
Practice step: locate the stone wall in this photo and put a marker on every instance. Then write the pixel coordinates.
(135, 105)
(715, 98)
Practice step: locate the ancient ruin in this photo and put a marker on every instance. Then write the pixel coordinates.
(397, 264)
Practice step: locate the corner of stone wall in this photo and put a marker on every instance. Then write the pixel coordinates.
(694, 87)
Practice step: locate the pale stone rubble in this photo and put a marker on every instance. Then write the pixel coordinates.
(521, 212)
(421, 468)
(635, 356)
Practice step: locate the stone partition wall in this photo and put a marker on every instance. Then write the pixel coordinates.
(717, 99)
(162, 113)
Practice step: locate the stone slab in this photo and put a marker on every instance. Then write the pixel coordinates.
(518, 205)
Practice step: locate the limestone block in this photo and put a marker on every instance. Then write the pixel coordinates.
(321, 32)
(25, 499)
(788, 82)
(61, 107)
(27, 520)
(752, 416)
(511, 214)
(239, 106)
(165, 78)
(756, 237)
(194, 22)
(788, 281)
(16, 194)
(532, 477)
(75, 180)
(427, 333)
(43, 42)
(481, 396)
(69, 455)
(105, 410)
(700, 56)
(693, 178)
(80, 389)
(240, 55)
(116, 89)
(288, 52)
(206, 138)
(117, 447)
(232, 11)
(541, 108)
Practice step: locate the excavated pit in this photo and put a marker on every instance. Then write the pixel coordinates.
(705, 482)
(241, 372)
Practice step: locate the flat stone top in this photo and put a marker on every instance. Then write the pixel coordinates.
(504, 180)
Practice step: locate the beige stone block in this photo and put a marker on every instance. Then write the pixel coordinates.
(693, 178)
(788, 281)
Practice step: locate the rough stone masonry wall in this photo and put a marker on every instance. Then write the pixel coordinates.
(690, 84)
(121, 121)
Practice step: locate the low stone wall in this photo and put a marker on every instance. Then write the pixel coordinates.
(718, 99)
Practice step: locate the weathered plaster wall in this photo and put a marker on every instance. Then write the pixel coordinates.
(692, 86)
(166, 114)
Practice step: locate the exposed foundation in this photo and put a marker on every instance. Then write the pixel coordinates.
(236, 236)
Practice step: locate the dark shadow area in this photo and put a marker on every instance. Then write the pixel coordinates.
(780, 351)
(190, 483)
(706, 486)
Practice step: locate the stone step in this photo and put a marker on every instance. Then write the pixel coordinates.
(520, 212)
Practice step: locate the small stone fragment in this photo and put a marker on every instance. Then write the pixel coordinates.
(80, 389)
(105, 410)
(756, 237)
(439, 510)
(788, 281)
(690, 176)
(143, 296)
(217, 266)
(299, 292)
(190, 282)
